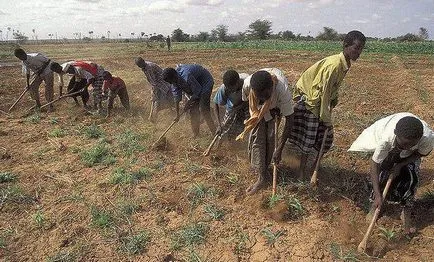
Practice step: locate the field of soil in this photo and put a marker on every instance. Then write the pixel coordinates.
(80, 187)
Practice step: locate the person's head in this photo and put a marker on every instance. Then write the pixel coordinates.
(353, 44)
(408, 131)
(140, 62)
(232, 81)
(107, 76)
(262, 83)
(20, 54)
(56, 68)
(170, 75)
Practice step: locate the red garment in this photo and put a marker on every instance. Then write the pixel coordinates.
(116, 84)
(90, 67)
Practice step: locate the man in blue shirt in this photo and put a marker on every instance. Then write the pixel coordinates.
(196, 82)
(229, 94)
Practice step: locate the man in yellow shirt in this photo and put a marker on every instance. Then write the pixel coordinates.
(316, 94)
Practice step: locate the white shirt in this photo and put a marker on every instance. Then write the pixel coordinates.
(35, 62)
(283, 97)
(380, 138)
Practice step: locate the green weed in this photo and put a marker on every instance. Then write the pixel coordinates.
(57, 132)
(295, 207)
(127, 207)
(232, 179)
(387, 234)
(428, 195)
(54, 120)
(14, 194)
(272, 200)
(129, 142)
(190, 235)
(100, 218)
(241, 240)
(6, 177)
(272, 237)
(122, 176)
(93, 131)
(339, 254)
(98, 154)
(34, 118)
(39, 219)
(135, 244)
(214, 212)
(197, 193)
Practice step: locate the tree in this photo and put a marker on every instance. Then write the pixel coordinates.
(202, 37)
(34, 33)
(423, 33)
(408, 38)
(19, 36)
(287, 35)
(179, 36)
(90, 34)
(7, 33)
(260, 29)
(220, 33)
(329, 34)
(108, 34)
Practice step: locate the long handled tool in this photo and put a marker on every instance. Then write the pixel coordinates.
(276, 142)
(167, 129)
(362, 246)
(61, 97)
(19, 98)
(225, 128)
(314, 178)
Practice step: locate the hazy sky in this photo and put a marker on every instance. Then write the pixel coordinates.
(376, 18)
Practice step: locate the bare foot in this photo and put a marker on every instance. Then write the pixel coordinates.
(260, 183)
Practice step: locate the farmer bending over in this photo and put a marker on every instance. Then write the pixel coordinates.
(114, 86)
(161, 90)
(269, 96)
(316, 94)
(39, 64)
(397, 143)
(196, 82)
(237, 110)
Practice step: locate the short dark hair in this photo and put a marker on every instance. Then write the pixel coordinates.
(107, 75)
(20, 53)
(140, 62)
(409, 127)
(261, 80)
(55, 67)
(231, 78)
(169, 74)
(352, 36)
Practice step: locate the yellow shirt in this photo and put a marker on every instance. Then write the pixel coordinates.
(320, 84)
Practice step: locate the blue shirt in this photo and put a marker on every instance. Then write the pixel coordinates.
(230, 100)
(194, 78)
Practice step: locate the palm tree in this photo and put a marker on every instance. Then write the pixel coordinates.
(7, 33)
(108, 34)
(34, 34)
(1, 35)
(51, 36)
(90, 34)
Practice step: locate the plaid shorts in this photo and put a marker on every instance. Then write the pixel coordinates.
(308, 131)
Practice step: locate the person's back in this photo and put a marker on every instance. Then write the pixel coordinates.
(202, 76)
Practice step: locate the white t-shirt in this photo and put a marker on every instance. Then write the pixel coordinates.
(283, 97)
(380, 138)
(35, 62)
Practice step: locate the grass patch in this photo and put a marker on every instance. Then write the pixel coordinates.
(14, 194)
(295, 208)
(387, 234)
(189, 236)
(63, 256)
(129, 142)
(34, 118)
(39, 219)
(57, 132)
(197, 192)
(101, 218)
(98, 154)
(135, 244)
(272, 200)
(272, 237)
(428, 195)
(241, 239)
(6, 177)
(122, 176)
(127, 207)
(339, 254)
(214, 212)
(93, 131)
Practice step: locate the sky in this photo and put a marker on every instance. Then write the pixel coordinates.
(63, 18)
